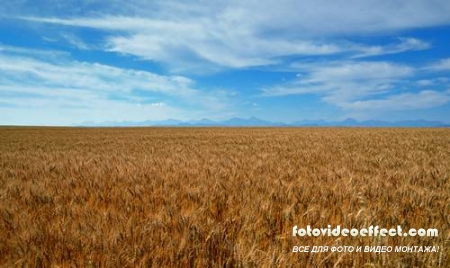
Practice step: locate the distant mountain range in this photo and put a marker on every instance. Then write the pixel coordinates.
(257, 122)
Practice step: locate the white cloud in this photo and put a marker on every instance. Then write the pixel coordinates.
(119, 23)
(442, 65)
(36, 53)
(226, 50)
(405, 44)
(407, 101)
(342, 81)
(92, 76)
(157, 104)
(238, 34)
(432, 81)
(348, 17)
(363, 87)
(356, 71)
(75, 41)
(179, 42)
(425, 82)
(311, 17)
(83, 89)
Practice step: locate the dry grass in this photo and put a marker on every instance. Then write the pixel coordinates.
(211, 197)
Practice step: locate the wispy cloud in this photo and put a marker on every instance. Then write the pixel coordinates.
(342, 80)
(31, 52)
(442, 65)
(181, 42)
(94, 77)
(33, 83)
(401, 102)
(76, 42)
(405, 44)
(306, 16)
(438, 81)
(193, 36)
(371, 87)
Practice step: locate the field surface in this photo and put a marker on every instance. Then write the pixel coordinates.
(215, 197)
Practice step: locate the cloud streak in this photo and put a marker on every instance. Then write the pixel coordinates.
(346, 79)
(374, 87)
(199, 35)
(34, 83)
(308, 17)
(95, 77)
(200, 41)
(442, 65)
(405, 44)
(401, 102)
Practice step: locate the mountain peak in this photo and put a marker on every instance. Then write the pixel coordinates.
(255, 121)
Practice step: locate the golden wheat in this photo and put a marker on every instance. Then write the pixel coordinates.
(210, 197)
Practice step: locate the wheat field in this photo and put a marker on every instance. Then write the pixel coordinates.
(219, 197)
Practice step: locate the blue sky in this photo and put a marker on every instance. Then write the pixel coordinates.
(67, 62)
